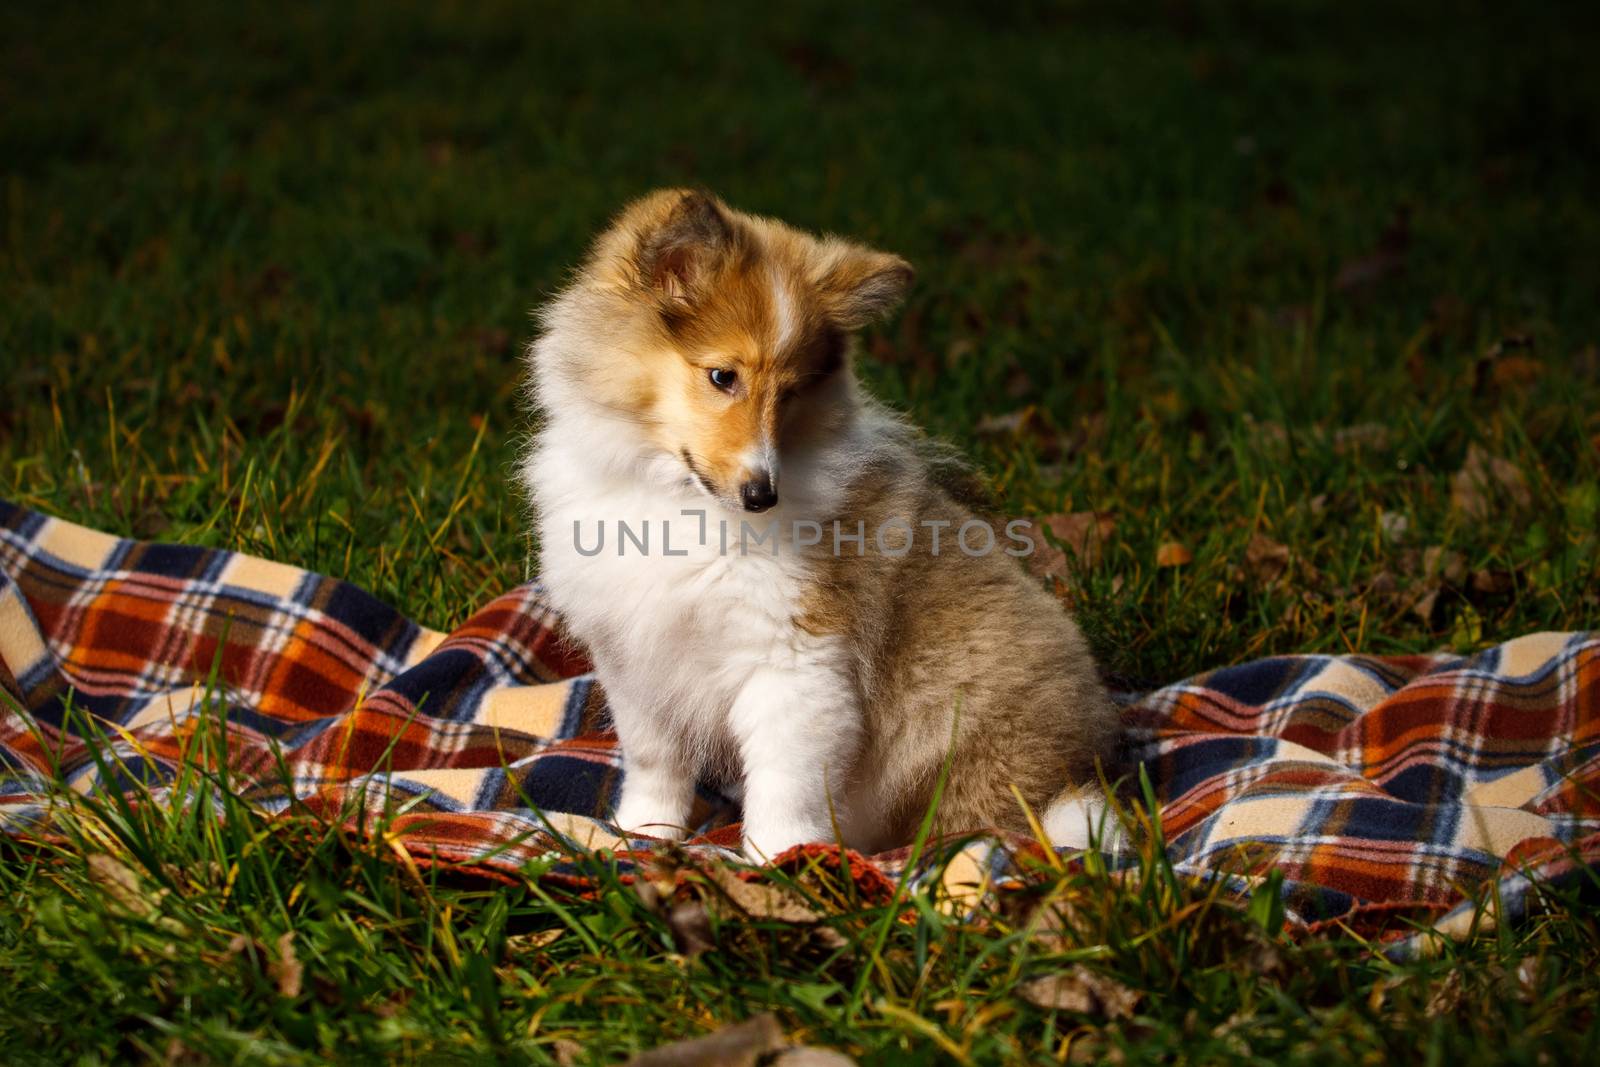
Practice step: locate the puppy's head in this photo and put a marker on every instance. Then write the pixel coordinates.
(723, 335)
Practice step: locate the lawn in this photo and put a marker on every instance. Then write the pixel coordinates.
(1298, 303)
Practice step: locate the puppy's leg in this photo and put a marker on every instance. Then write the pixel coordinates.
(799, 733)
(657, 775)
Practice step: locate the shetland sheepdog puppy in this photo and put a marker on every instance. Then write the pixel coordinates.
(774, 589)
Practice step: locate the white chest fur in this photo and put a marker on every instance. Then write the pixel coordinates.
(692, 626)
(669, 592)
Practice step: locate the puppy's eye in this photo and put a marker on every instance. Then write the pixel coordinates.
(723, 379)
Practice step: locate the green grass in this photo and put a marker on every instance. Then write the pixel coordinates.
(265, 280)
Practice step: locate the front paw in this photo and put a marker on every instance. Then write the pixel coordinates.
(648, 817)
(765, 841)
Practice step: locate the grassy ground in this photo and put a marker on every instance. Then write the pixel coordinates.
(1303, 295)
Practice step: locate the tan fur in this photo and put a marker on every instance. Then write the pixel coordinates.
(962, 649)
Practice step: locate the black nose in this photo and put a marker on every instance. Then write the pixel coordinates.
(758, 494)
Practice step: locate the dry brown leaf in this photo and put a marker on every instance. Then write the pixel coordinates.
(1386, 260)
(1173, 554)
(1006, 424)
(1447, 995)
(1491, 582)
(959, 349)
(1267, 435)
(1424, 604)
(1515, 371)
(1367, 436)
(690, 928)
(122, 885)
(287, 970)
(811, 1056)
(517, 944)
(1440, 562)
(1081, 990)
(1265, 559)
(741, 1045)
(766, 901)
(1482, 480)
(761, 899)
(178, 1054)
(1082, 533)
(130, 894)
(1365, 271)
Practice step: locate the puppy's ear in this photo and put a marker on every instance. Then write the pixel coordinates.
(679, 249)
(860, 285)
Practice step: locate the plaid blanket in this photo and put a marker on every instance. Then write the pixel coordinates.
(1374, 784)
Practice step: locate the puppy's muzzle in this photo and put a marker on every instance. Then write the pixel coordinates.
(758, 493)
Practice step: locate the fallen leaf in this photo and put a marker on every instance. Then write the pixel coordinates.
(1366, 271)
(395, 1003)
(1382, 583)
(741, 1045)
(178, 1054)
(690, 928)
(123, 886)
(1081, 990)
(1528, 979)
(1386, 260)
(1395, 526)
(1482, 480)
(811, 1056)
(1173, 554)
(1449, 315)
(1266, 559)
(492, 340)
(1368, 436)
(1440, 562)
(1423, 605)
(1266, 434)
(768, 901)
(822, 68)
(1293, 316)
(1007, 424)
(517, 944)
(1082, 533)
(1515, 371)
(1446, 996)
(1493, 583)
(761, 899)
(286, 970)
(959, 349)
